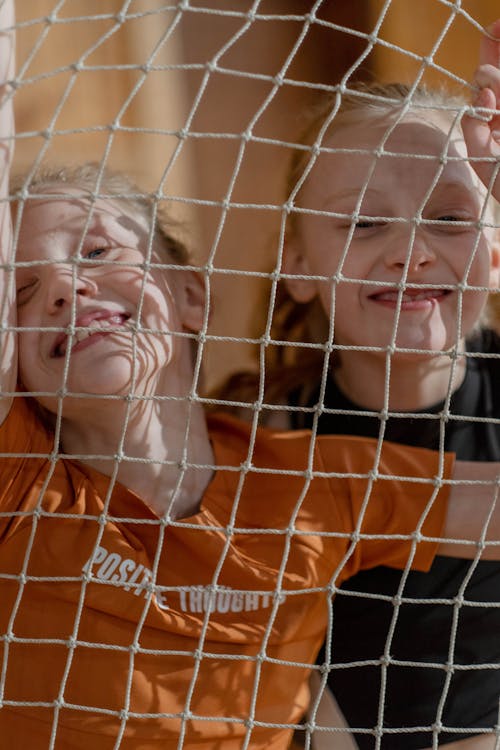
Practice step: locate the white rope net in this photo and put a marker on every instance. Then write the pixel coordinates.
(201, 104)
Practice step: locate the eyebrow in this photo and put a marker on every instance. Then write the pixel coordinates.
(353, 193)
(447, 184)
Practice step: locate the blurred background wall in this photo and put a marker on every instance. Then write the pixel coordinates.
(202, 104)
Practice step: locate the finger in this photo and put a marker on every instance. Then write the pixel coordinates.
(488, 77)
(489, 49)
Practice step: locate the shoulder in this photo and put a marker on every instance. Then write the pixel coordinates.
(236, 442)
(23, 431)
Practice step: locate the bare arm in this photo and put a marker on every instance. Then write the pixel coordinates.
(482, 136)
(8, 359)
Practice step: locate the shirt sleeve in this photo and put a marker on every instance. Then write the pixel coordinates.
(396, 502)
(352, 505)
(24, 448)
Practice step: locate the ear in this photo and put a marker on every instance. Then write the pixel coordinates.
(191, 299)
(295, 263)
(495, 262)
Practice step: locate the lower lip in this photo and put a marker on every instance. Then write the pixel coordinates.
(93, 339)
(90, 340)
(410, 305)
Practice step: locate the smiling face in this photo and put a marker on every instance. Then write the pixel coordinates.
(87, 304)
(385, 248)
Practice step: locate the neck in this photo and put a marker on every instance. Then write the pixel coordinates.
(157, 439)
(412, 382)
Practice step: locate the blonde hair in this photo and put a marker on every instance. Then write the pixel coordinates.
(296, 369)
(108, 184)
(362, 102)
(112, 185)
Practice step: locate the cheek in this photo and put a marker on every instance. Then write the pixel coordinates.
(480, 267)
(26, 346)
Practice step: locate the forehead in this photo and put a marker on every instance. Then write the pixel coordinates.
(411, 154)
(59, 221)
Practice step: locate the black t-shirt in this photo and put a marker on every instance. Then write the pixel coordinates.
(445, 657)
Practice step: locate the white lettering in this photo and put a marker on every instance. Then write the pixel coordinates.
(135, 576)
(109, 566)
(126, 567)
(145, 580)
(237, 602)
(97, 557)
(161, 600)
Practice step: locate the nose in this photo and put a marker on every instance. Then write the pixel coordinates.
(412, 250)
(64, 284)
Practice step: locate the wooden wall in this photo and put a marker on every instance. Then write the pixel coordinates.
(134, 115)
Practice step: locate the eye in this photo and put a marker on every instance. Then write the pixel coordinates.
(95, 253)
(367, 223)
(24, 291)
(453, 222)
(449, 217)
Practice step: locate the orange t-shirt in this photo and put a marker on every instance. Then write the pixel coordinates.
(119, 631)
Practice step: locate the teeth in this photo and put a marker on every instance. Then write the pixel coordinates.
(388, 296)
(94, 326)
(393, 296)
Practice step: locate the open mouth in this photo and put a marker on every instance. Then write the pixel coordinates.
(85, 329)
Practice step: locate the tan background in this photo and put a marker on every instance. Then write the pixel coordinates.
(94, 85)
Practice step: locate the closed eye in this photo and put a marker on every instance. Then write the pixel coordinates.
(24, 292)
(453, 222)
